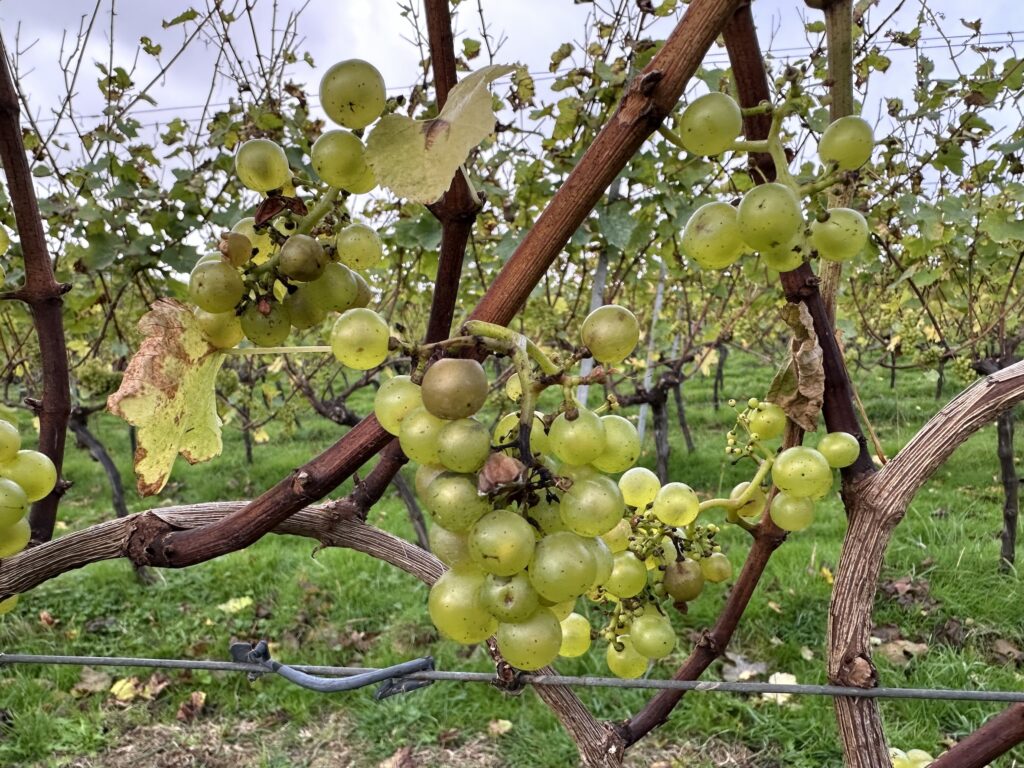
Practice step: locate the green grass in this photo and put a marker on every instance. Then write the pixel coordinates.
(314, 607)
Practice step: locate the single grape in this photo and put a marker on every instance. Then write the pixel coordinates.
(364, 294)
(302, 258)
(262, 244)
(449, 547)
(562, 567)
(684, 580)
(262, 165)
(617, 538)
(530, 644)
(13, 503)
(547, 515)
(791, 513)
(33, 471)
(501, 542)
(364, 183)
(592, 507)
(15, 537)
(604, 562)
(10, 441)
(802, 472)
(841, 236)
(579, 441)
(359, 246)
(425, 474)
(215, 286)
(454, 503)
(848, 142)
(266, 323)
(629, 575)
(769, 216)
(652, 635)
(6, 606)
(710, 124)
(418, 433)
(464, 445)
(335, 290)
(639, 487)
(455, 607)
(506, 432)
(396, 398)
(712, 236)
(716, 567)
(509, 598)
(222, 329)
(561, 610)
(514, 388)
(235, 248)
(627, 663)
(622, 445)
(899, 758)
(768, 422)
(575, 636)
(785, 258)
(751, 509)
(840, 449)
(338, 158)
(302, 308)
(352, 93)
(360, 338)
(454, 388)
(676, 504)
(610, 333)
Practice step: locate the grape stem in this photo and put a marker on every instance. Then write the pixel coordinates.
(276, 350)
(516, 340)
(820, 185)
(671, 136)
(743, 498)
(322, 208)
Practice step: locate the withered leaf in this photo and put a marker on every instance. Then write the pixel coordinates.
(799, 386)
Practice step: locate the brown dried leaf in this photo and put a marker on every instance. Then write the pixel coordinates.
(740, 669)
(192, 707)
(799, 386)
(403, 758)
(901, 652)
(47, 620)
(91, 681)
(1006, 652)
(500, 469)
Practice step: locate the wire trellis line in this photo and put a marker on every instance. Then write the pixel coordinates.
(700, 686)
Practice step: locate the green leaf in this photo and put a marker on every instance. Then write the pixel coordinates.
(168, 394)
(1003, 226)
(181, 18)
(470, 48)
(617, 223)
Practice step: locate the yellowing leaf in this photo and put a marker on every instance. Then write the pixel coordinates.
(261, 436)
(780, 678)
(709, 361)
(826, 574)
(499, 727)
(235, 604)
(799, 387)
(417, 159)
(126, 689)
(168, 393)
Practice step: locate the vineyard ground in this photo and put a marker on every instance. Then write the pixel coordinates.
(946, 618)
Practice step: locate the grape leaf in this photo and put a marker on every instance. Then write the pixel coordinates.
(416, 159)
(168, 393)
(799, 387)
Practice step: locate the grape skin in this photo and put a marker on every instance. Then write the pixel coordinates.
(455, 608)
(454, 388)
(464, 445)
(396, 398)
(15, 537)
(358, 246)
(530, 644)
(652, 635)
(848, 142)
(712, 236)
(509, 598)
(716, 568)
(710, 124)
(769, 422)
(449, 547)
(841, 236)
(223, 329)
(338, 158)
(262, 165)
(10, 441)
(622, 445)
(769, 216)
(454, 503)
(639, 487)
(352, 93)
(13, 503)
(501, 542)
(840, 449)
(33, 471)
(684, 580)
(269, 329)
(302, 258)
(676, 504)
(336, 290)
(579, 441)
(562, 567)
(575, 636)
(801, 471)
(626, 663)
(360, 338)
(629, 575)
(215, 286)
(610, 333)
(791, 513)
(592, 507)
(417, 435)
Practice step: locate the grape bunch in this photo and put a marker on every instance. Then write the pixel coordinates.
(276, 271)
(769, 219)
(25, 476)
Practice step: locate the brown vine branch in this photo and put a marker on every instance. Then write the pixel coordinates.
(994, 739)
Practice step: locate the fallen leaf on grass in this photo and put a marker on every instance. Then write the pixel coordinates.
(403, 758)
(901, 652)
(1006, 652)
(499, 727)
(235, 604)
(192, 707)
(91, 681)
(780, 678)
(128, 689)
(806, 653)
(47, 620)
(738, 668)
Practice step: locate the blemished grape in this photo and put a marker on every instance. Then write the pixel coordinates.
(262, 244)
(712, 236)
(617, 538)
(802, 472)
(684, 580)
(791, 513)
(236, 248)
(338, 158)
(352, 93)
(359, 339)
(449, 547)
(222, 329)
(848, 142)
(302, 258)
(8, 605)
(215, 286)
(652, 635)
(579, 441)
(33, 471)
(303, 311)
(547, 515)
(464, 445)
(454, 388)
(509, 598)
(358, 246)
(530, 644)
(418, 434)
(710, 124)
(716, 568)
(769, 216)
(395, 399)
(676, 504)
(610, 333)
(10, 441)
(769, 422)
(454, 503)
(841, 236)
(621, 445)
(575, 636)
(15, 537)
(13, 502)
(754, 506)
(336, 289)
(629, 575)
(562, 567)
(840, 449)
(501, 542)
(262, 165)
(506, 431)
(266, 329)
(592, 507)
(627, 663)
(785, 258)
(639, 487)
(664, 554)
(455, 607)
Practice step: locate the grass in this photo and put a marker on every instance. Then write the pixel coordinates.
(338, 607)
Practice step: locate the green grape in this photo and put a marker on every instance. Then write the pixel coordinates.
(454, 503)
(610, 333)
(396, 398)
(840, 449)
(629, 575)
(10, 441)
(769, 216)
(449, 547)
(622, 445)
(791, 513)
(215, 286)
(13, 502)
(3, 275)
(418, 433)
(841, 236)
(222, 329)
(752, 508)
(455, 607)
(6, 606)
(364, 294)
(676, 504)
(514, 388)
(364, 183)
(235, 248)
(604, 562)
(530, 644)
(627, 663)
(425, 474)
(899, 758)
(33, 471)
(359, 247)
(617, 538)
(712, 237)
(575, 636)
(578, 474)
(801, 471)
(652, 635)
(302, 309)
(684, 580)
(785, 258)
(352, 93)
(848, 142)
(768, 422)
(335, 290)
(266, 329)
(302, 258)
(919, 758)
(464, 445)
(663, 555)
(501, 542)
(639, 487)
(454, 388)
(506, 432)
(561, 610)
(262, 165)
(716, 568)
(592, 507)
(5, 241)
(338, 158)
(509, 598)
(579, 441)
(562, 567)
(710, 124)
(262, 243)
(14, 537)
(547, 515)
(360, 338)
